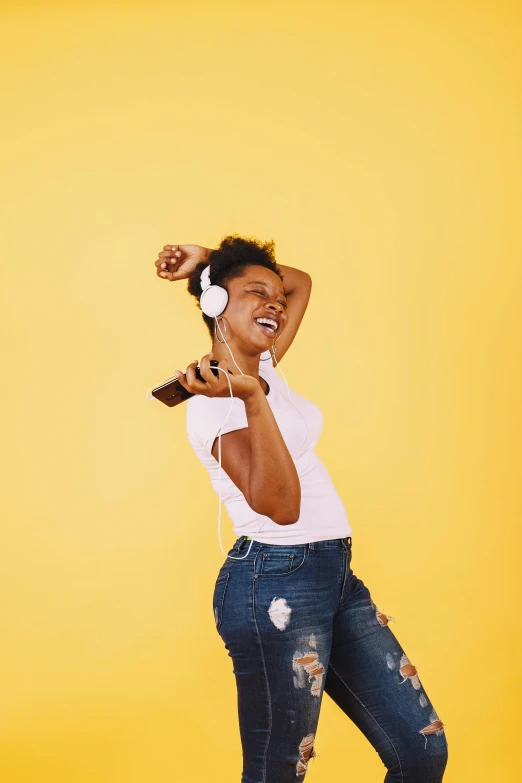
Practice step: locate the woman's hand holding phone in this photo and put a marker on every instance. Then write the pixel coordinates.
(243, 386)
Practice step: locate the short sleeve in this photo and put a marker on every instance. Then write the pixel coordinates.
(206, 419)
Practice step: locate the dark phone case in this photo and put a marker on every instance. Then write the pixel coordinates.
(172, 393)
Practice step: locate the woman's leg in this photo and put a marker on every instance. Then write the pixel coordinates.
(372, 680)
(274, 611)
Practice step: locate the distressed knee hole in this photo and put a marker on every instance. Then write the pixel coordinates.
(436, 726)
(308, 664)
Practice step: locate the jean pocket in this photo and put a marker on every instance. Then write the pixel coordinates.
(219, 598)
(279, 562)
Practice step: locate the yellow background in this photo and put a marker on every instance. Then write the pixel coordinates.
(378, 144)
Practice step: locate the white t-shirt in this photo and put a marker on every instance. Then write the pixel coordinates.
(322, 513)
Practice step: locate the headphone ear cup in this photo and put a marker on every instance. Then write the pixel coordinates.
(213, 300)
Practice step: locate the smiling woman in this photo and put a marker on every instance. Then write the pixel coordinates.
(295, 619)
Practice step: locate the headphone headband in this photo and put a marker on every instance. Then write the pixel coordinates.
(205, 277)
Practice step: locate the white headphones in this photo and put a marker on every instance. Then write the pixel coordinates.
(214, 298)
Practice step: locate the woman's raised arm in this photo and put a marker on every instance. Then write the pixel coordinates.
(298, 287)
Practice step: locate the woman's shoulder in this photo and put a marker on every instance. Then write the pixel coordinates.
(204, 411)
(206, 415)
(200, 405)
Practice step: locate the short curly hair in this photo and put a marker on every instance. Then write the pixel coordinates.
(228, 261)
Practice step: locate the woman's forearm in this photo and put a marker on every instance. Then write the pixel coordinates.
(294, 279)
(275, 489)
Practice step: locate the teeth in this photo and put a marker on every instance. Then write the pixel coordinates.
(267, 322)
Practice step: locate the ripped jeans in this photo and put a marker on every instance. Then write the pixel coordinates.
(296, 622)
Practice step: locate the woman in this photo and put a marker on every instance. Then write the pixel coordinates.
(295, 619)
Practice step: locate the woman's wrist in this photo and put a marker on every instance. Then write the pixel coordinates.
(254, 400)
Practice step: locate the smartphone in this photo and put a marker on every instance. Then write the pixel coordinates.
(172, 392)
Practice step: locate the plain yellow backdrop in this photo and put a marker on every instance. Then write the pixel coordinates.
(378, 144)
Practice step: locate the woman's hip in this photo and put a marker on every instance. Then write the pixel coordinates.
(280, 588)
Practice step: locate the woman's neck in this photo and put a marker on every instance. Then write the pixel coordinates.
(249, 363)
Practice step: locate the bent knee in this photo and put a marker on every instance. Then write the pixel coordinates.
(429, 765)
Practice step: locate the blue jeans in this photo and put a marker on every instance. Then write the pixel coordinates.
(296, 622)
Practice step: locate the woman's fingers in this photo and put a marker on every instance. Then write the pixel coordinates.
(190, 374)
(192, 383)
(224, 364)
(210, 385)
(166, 254)
(168, 261)
(164, 259)
(177, 262)
(225, 379)
(185, 378)
(206, 371)
(166, 264)
(180, 377)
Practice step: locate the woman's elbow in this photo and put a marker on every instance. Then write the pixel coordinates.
(286, 521)
(287, 516)
(281, 516)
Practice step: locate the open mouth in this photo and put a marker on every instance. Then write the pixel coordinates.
(267, 325)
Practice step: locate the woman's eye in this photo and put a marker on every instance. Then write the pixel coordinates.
(262, 293)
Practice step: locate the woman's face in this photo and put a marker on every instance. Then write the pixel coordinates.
(258, 293)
